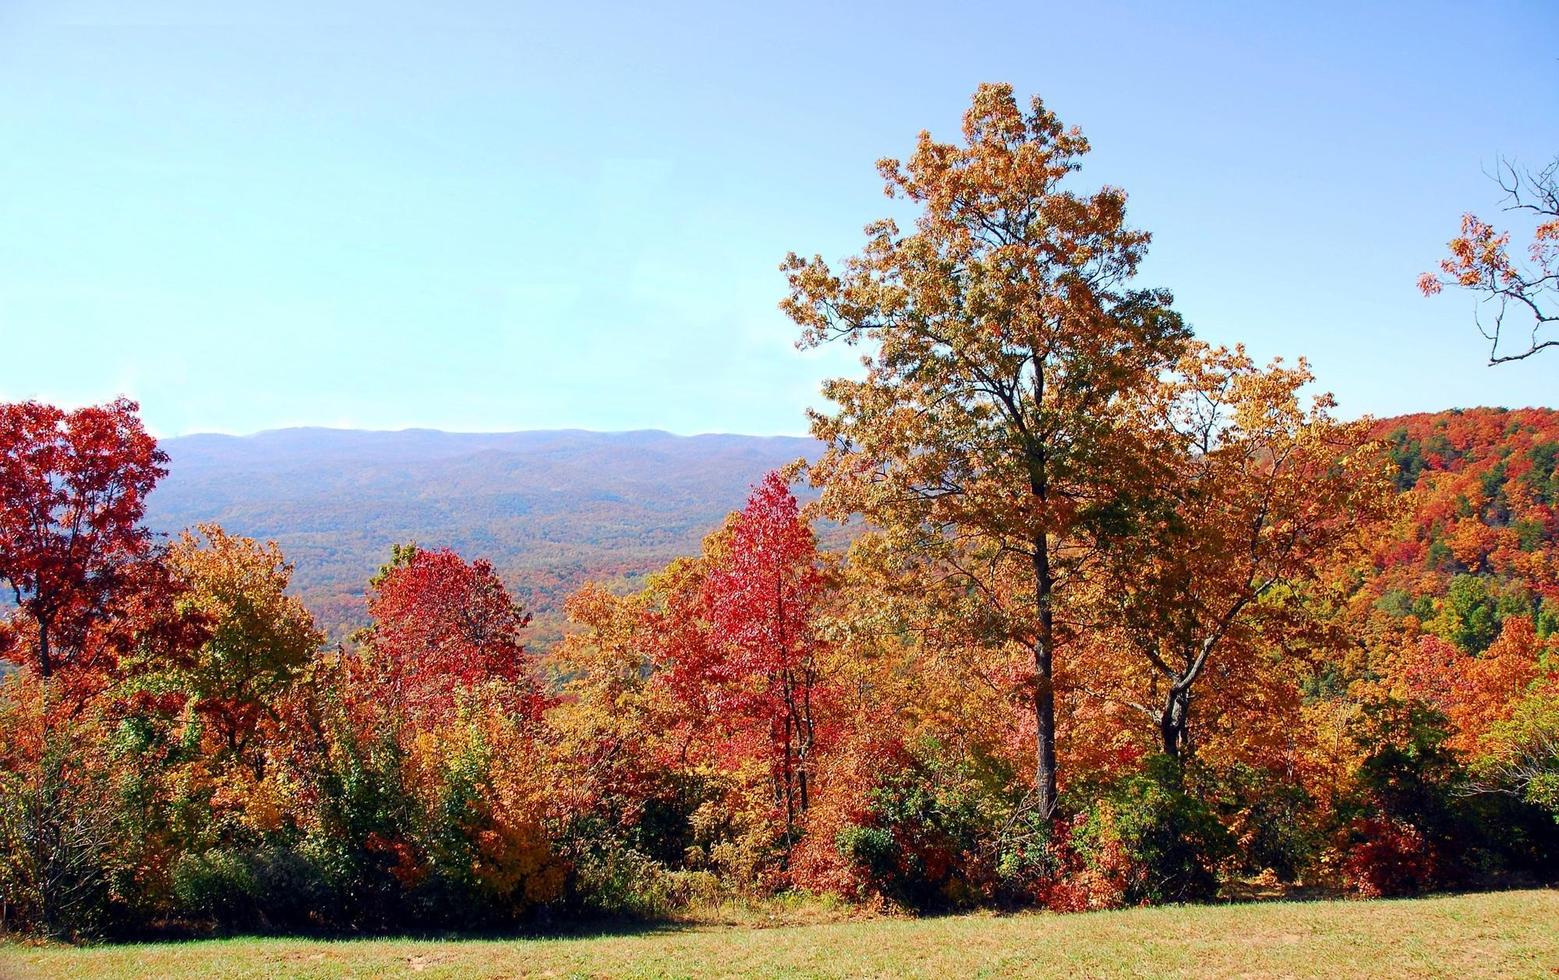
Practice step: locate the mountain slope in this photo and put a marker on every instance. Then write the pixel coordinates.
(548, 508)
(1477, 542)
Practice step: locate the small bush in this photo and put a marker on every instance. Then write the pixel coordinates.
(270, 888)
(1387, 858)
(217, 885)
(1169, 839)
(933, 832)
(57, 850)
(1275, 825)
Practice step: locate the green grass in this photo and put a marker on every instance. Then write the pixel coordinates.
(1498, 934)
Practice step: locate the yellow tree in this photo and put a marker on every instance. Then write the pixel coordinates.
(1256, 490)
(259, 636)
(611, 719)
(987, 438)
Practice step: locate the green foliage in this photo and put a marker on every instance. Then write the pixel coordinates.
(1546, 622)
(945, 829)
(1475, 615)
(362, 803)
(1543, 477)
(1407, 455)
(646, 857)
(1395, 602)
(58, 845)
(1173, 840)
(628, 883)
(1452, 833)
(1439, 556)
(1525, 760)
(922, 822)
(1530, 534)
(1439, 450)
(401, 555)
(871, 848)
(1275, 822)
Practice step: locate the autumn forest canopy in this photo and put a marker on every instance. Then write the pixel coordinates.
(1117, 617)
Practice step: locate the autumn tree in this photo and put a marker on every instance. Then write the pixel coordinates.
(613, 718)
(987, 436)
(440, 623)
(1480, 261)
(1257, 490)
(73, 488)
(258, 637)
(763, 597)
(1476, 693)
(1521, 755)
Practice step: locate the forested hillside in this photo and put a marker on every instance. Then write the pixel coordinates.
(1477, 541)
(550, 509)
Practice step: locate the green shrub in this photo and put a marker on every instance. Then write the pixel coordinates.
(870, 848)
(1275, 825)
(944, 831)
(250, 889)
(216, 885)
(1173, 841)
(58, 847)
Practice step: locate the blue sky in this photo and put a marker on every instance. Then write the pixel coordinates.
(509, 216)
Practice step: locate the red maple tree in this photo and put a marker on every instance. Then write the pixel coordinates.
(73, 488)
(762, 598)
(441, 623)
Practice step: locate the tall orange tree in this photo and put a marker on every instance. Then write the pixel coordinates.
(987, 436)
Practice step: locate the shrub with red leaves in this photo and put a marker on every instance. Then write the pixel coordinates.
(1389, 857)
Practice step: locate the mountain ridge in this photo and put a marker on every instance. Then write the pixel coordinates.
(549, 507)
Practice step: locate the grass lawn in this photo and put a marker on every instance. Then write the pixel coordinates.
(1498, 934)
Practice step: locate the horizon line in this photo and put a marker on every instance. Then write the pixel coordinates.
(474, 432)
(683, 435)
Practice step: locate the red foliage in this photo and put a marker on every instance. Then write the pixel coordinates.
(848, 776)
(1474, 693)
(73, 489)
(761, 598)
(1480, 486)
(1080, 885)
(1390, 858)
(687, 660)
(441, 624)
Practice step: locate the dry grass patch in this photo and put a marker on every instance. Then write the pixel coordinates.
(1505, 934)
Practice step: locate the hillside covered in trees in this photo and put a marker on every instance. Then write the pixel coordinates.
(551, 510)
(1115, 617)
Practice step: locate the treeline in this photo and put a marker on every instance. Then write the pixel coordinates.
(1125, 619)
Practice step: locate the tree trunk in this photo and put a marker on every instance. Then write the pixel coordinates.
(1044, 687)
(790, 784)
(1172, 723)
(45, 667)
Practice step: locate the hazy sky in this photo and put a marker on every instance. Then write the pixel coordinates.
(508, 216)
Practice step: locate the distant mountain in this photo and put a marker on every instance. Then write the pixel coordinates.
(550, 509)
